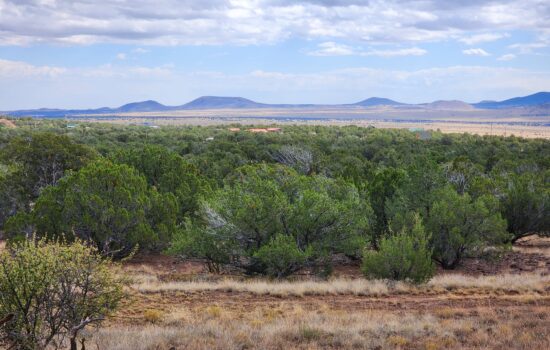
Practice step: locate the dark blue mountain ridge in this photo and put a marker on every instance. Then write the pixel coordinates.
(219, 102)
(539, 98)
(144, 106)
(207, 102)
(378, 101)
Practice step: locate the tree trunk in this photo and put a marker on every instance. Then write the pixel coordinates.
(74, 346)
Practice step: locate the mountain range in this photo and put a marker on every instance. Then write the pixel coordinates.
(541, 99)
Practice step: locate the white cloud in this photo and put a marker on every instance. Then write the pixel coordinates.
(528, 48)
(507, 57)
(482, 38)
(414, 51)
(140, 50)
(121, 56)
(333, 49)
(218, 22)
(17, 69)
(476, 52)
(114, 85)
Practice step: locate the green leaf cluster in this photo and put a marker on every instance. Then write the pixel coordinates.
(404, 256)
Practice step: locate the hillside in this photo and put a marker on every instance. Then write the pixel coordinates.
(214, 102)
(539, 98)
(378, 101)
(144, 106)
(220, 102)
(453, 105)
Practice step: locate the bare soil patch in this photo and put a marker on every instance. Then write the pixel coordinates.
(7, 123)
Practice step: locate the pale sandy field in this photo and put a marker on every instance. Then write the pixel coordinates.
(488, 128)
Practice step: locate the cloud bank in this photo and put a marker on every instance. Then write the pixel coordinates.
(243, 22)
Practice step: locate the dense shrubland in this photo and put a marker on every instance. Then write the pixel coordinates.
(275, 203)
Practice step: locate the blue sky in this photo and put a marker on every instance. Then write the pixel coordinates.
(92, 53)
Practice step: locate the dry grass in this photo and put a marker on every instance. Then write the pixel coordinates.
(272, 329)
(290, 326)
(519, 283)
(360, 287)
(452, 311)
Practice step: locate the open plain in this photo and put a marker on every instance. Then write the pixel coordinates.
(519, 122)
(177, 305)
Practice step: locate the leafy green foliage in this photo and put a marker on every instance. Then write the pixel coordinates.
(107, 204)
(526, 205)
(33, 163)
(405, 256)
(281, 256)
(262, 202)
(53, 291)
(382, 188)
(322, 200)
(459, 225)
(12, 199)
(196, 239)
(43, 159)
(168, 173)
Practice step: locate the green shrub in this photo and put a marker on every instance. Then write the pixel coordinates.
(281, 256)
(53, 291)
(192, 241)
(403, 256)
(459, 225)
(107, 204)
(315, 214)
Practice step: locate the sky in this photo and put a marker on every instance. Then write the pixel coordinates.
(94, 53)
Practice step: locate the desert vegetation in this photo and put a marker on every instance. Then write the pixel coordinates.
(309, 237)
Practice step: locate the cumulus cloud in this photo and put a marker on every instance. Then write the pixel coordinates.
(482, 38)
(414, 51)
(238, 22)
(334, 49)
(17, 69)
(507, 57)
(476, 52)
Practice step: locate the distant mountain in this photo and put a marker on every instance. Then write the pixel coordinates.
(449, 105)
(144, 106)
(537, 103)
(53, 112)
(216, 102)
(532, 100)
(377, 101)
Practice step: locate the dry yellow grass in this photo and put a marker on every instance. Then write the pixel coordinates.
(261, 330)
(532, 282)
(452, 311)
(289, 326)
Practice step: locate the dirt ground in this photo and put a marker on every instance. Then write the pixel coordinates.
(431, 317)
(456, 318)
(7, 123)
(528, 255)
